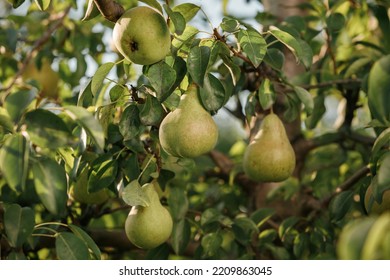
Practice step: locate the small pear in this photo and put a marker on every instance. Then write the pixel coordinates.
(189, 131)
(79, 191)
(149, 227)
(372, 206)
(270, 156)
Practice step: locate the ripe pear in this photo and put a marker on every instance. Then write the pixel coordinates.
(142, 36)
(46, 77)
(374, 207)
(270, 156)
(149, 227)
(188, 131)
(79, 191)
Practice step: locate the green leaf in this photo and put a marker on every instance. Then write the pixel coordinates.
(180, 67)
(89, 123)
(301, 244)
(91, 11)
(43, 4)
(261, 215)
(117, 92)
(162, 77)
(161, 252)
(380, 142)
(178, 202)
(289, 41)
(230, 25)
(188, 10)
(100, 75)
(129, 124)
(134, 195)
(307, 54)
(71, 247)
(197, 63)
(5, 120)
(212, 93)
(378, 90)
(51, 185)
(14, 157)
(275, 59)
(151, 112)
(184, 40)
(244, 229)
(253, 44)
(47, 129)
(181, 234)
(340, 205)
(211, 243)
(306, 99)
(103, 174)
(154, 4)
(210, 215)
(16, 3)
(87, 240)
(266, 94)
(85, 96)
(19, 223)
(177, 19)
(17, 102)
(287, 225)
(319, 110)
(335, 22)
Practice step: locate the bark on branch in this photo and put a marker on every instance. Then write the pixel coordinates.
(110, 9)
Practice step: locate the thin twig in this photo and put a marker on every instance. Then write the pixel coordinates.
(349, 183)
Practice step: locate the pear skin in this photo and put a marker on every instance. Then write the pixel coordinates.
(47, 78)
(372, 206)
(149, 227)
(189, 131)
(142, 35)
(270, 156)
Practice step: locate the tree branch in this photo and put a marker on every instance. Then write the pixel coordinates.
(110, 9)
(349, 183)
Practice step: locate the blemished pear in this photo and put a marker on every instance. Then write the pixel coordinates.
(270, 156)
(189, 131)
(149, 227)
(372, 206)
(142, 36)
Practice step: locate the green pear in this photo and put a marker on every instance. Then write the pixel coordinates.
(79, 191)
(270, 156)
(188, 131)
(142, 36)
(373, 207)
(46, 77)
(150, 226)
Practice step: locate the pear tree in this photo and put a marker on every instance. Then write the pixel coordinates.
(159, 129)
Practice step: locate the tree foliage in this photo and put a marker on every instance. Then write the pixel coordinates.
(99, 129)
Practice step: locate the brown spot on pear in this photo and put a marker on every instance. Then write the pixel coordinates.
(270, 156)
